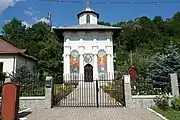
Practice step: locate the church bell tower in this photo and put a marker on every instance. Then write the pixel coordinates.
(88, 15)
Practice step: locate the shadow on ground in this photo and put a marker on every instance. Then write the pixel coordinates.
(24, 114)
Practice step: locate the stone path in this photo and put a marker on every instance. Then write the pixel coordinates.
(85, 95)
(92, 114)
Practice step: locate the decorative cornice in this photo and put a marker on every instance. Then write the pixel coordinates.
(81, 34)
(67, 34)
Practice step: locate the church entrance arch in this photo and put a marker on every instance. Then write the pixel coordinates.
(88, 73)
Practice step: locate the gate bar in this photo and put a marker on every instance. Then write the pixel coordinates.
(97, 97)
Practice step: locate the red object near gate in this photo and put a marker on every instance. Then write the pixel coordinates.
(132, 73)
(10, 101)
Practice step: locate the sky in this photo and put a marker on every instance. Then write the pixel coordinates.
(32, 11)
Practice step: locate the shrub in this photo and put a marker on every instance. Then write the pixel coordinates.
(162, 101)
(176, 103)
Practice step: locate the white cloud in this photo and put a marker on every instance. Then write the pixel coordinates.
(6, 21)
(26, 24)
(43, 20)
(4, 4)
(29, 11)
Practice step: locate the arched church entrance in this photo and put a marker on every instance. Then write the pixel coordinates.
(88, 73)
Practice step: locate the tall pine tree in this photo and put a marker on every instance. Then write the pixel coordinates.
(165, 64)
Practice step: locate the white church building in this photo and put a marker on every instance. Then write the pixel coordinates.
(88, 48)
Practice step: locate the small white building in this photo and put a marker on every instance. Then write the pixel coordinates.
(88, 48)
(11, 57)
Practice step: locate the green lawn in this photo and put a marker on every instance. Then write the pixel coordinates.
(170, 114)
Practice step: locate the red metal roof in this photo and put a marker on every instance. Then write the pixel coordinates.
(7, 48)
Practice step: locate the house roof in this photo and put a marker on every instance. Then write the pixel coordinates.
(86, 27)
(7, 48)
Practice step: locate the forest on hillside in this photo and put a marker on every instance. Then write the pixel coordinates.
(151, 45)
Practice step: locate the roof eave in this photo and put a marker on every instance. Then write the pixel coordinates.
(86, 29)
(78, 15)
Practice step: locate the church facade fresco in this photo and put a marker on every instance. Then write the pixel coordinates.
(102, 62)
(88, 44)
(88, 58)
(74, 62)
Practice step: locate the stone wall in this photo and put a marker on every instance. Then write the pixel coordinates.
(144, 101)
(31, 102)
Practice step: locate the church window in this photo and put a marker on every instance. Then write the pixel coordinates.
(88, 18)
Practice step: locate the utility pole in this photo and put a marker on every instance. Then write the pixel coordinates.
(131, 59)
(50, 20)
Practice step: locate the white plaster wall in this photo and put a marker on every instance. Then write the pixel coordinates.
(30, 63)
(90, 41)
(8, 63)
(93, 19)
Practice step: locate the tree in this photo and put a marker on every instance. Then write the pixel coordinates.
(14, 32)
(104, 23)
(163, 65)
(39, 41)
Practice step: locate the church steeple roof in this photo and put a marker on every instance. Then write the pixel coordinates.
(88, 10)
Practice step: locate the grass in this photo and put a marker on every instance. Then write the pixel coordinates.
(170, 114)
(61, 91)
(115, 91)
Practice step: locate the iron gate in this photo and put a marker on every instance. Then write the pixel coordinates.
(97, 93)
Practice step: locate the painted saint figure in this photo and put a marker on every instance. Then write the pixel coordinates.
(102, 64)
(74, 62)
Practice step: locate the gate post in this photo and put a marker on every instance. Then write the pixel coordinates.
(48, 92)
(174, 84)
(127, 91)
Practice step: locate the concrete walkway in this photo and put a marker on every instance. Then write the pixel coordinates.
(92, 114)
(85, 95)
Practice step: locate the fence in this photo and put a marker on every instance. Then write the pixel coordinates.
(81, 90)
(2, 79)
(31, 84)
(151, 86)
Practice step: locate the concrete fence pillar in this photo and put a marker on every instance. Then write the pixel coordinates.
(49, 92)
(174, 84)
(127, 91)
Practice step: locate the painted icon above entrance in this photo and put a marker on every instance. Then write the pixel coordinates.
(88, 58)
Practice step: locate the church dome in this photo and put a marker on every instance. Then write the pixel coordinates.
(86, 11)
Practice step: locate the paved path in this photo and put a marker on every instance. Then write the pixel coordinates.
(85, 95)
(93, 114)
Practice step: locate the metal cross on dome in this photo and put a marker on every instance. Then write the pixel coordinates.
(87, 3)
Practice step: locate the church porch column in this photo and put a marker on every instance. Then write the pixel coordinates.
(81, 66)
(109, 66)
(66, 67)
(95, 67)
(81, 61)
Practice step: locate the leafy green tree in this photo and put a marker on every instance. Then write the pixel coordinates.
(14, 32)
(104, 23)
(164, 64)
(39, 41)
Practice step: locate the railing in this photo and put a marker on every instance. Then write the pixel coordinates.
(2, 78)
(81, 90)
(151, 86)
(31, 85)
